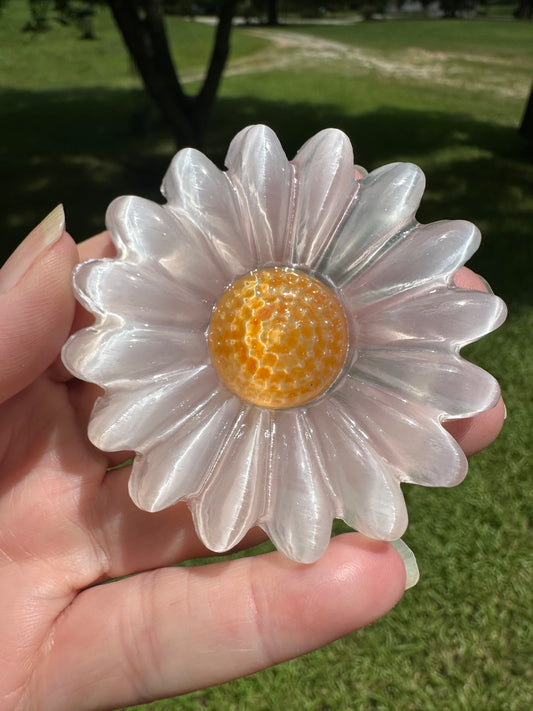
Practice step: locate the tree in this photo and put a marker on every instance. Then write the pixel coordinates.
(526, 127)
(524, 10)
(141, 23)
(272, 13)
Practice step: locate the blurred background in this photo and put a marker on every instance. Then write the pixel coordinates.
(85, 116)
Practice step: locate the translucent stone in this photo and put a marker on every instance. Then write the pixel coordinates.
(280, 343)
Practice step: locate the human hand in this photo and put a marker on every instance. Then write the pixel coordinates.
(67, 524)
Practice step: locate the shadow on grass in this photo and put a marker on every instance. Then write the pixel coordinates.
(85, 147)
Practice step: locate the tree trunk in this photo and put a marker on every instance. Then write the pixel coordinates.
(526, 127)
(524, 10)
(142, 25)
(272, 13)
(219, 56)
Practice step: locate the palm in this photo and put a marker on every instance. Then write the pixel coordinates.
(66, 524)
(51, 545)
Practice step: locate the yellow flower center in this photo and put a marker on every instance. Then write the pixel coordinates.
(278, 337)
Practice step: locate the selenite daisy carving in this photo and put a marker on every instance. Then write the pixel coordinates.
(279, 343)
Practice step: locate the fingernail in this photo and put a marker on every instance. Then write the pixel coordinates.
(412, 574)
(504, 411)
(36, 243)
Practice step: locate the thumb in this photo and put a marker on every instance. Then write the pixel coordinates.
(36, 303)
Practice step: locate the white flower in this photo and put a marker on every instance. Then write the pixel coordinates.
(276, 260)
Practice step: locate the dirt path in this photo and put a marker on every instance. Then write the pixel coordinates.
(297, 50)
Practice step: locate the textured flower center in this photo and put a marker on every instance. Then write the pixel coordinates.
(278, 337)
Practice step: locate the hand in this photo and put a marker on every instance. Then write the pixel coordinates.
(67, 524)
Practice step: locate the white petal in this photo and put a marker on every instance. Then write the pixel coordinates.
(138, 295)
(262, 177)
(427, 255)
(177, 466)
(300, 508)
(136, 417)
(385, 205)
(195, 187)
(233, 499)
(446, 382)
(129, 355)
(145, 232)
(444, 318)
(325, 179)
(367, 487)
(407, 434)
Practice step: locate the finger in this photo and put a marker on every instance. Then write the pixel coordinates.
(98, 247)
(170, 631)
(477, 433)
(36, 303)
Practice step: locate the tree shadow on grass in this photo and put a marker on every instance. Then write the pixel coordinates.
(85, 147)
(78, 147)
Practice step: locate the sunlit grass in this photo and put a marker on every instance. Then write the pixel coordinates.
(508, 40)
(59, 59)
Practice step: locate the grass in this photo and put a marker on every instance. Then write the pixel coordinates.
(102, 62)
(82, 131)
(487, 38)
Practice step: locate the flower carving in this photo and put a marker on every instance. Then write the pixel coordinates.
(279, 343)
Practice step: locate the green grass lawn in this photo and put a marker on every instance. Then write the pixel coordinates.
(484, 37)
(446, 95)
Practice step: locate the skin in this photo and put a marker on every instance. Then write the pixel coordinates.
(67, 524)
